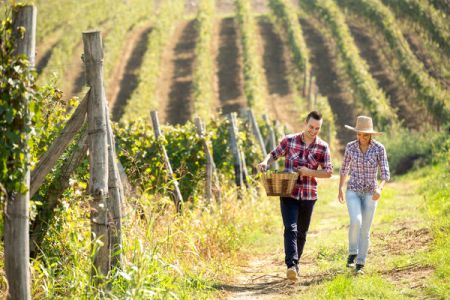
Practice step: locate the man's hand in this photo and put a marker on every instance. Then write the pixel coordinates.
(263, 167)
(341, 196)
(377, 194)
(304, 171)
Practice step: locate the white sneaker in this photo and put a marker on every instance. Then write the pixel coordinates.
(291, 273)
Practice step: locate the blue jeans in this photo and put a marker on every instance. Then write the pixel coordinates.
(296, 219)
(361, 209)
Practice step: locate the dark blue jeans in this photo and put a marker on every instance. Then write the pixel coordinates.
(296, 219)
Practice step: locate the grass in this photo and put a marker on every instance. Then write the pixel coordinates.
(409, 244)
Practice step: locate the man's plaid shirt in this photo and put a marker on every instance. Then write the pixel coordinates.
(298, 154)
(363, 167)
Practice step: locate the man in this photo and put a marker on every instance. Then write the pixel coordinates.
(304, 152)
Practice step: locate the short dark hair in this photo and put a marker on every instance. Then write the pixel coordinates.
(315, 115)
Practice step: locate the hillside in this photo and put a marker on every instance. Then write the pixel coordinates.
(228, 79)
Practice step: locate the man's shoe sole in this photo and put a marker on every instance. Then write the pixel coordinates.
(291, 274)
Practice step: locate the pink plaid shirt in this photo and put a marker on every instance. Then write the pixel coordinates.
(363, 167)
(298, 154)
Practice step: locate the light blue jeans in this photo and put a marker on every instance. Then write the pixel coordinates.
(361, 209)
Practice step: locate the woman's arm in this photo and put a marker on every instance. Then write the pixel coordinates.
(345, 169)
(341, 188)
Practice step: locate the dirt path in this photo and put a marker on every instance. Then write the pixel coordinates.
(331, 85)
(124, 78)
(229, 68)
(176, 78)
(399, 94)
(395, 235)
(281, 102)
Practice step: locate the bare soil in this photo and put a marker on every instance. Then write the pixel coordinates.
(262, 276)
(421, 53)
(44, 51)
(399, 94)
(276, 69)
(229, 68)
(176, 78)
(330, 83)
(124, 78)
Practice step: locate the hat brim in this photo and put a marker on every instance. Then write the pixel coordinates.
(363, 131)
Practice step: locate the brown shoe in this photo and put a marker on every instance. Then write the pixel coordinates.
(291, 273)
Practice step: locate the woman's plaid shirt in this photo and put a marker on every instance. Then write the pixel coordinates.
(363, 167)
(298, 154)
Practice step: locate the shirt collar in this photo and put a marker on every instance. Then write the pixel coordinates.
(302, 139)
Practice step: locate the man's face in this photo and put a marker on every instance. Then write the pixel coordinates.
(312, 128)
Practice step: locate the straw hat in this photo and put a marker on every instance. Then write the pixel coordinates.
(363, 124)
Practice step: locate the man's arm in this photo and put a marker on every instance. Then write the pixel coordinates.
(273, 155)
(325, 173)
(264, 165)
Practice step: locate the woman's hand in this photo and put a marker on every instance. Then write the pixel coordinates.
(341, 196)
(377, 194)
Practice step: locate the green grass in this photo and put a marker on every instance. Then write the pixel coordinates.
(407, 256)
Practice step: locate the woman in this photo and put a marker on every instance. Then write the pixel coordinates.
(362, 157)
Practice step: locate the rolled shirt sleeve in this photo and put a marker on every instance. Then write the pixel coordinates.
(327, 165)
(345, 168)
(384, 165)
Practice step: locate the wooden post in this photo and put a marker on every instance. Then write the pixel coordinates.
(235, 149)
(177, 198)
(49, 159)
(209, 160)
(257, 132)
(115, 199)
(273, 142)
(60, 184)
(215, 187)
(16, 217)
(98, 150)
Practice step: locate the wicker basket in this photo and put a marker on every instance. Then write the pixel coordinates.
(279, 184)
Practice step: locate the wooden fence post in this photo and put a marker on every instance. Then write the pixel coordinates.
(115, 199)
(235, 149)
(209, 160)
(257, 132)
(98, 149)
(49, 159)
(16, 216)
(177, 198)
(273, 142)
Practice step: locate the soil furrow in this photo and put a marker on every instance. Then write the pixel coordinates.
(323, 62)
(421, 53)
(179, 105)
(229, 68)
(124, 78)
(400, 96)
(276, 72)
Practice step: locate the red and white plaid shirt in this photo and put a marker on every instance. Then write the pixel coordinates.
(298, 154)
(363, 167)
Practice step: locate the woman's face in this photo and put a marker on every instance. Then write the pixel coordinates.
(363, 138)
